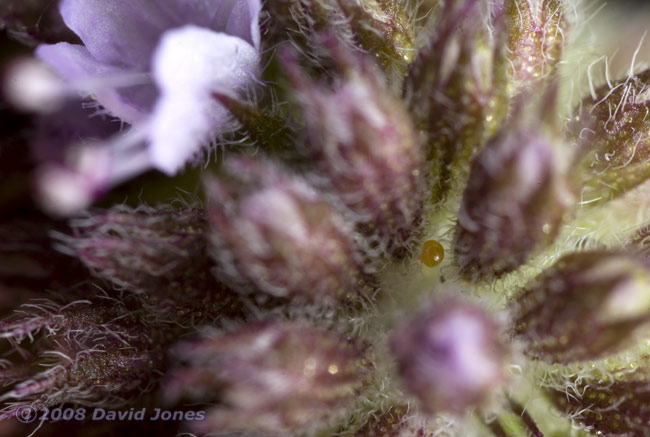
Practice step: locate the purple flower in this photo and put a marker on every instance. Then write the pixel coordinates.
(156, 66)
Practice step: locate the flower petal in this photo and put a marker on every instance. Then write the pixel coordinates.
(118, 32)
(77, 65)
(239, 18)
(234, 17)
(187, 115)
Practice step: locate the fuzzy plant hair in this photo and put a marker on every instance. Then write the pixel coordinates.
(396, 218)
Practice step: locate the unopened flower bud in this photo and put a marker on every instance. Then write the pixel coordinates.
(273, 233)
(585, 306)
(271, 377)
(456, 89)
(133, 247)
(613, 132)
(514, 203)
(450, 356)
(535, 38)
(160, 253)
(363, 142)
(383, 28)
(611, 401)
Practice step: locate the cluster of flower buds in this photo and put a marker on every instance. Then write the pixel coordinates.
(97, 352)
(383, 27)
(515, 200)
(450, 355)
(273, 233)
(263, 307)
(364, 144)
(270, 377)
(457, 89)
(586, 306)
(612, 401)
(612, 130)
(535, 38)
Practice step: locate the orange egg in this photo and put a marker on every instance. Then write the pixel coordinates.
(432, 253)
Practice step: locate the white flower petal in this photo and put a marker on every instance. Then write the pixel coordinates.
(189, 65)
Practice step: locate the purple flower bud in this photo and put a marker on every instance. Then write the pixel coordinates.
(456, 89)
(363, 142)
(450, 356)
(273, 377)
(133, 247)
(160, 253)
(536, 37)
(274, 233)
(585, 306)
(608, 402)
(514, 203)
(385, 28)
(612, 130)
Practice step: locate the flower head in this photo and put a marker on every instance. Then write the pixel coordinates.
(322, 328)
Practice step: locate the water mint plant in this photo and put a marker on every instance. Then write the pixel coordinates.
(398, 218)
